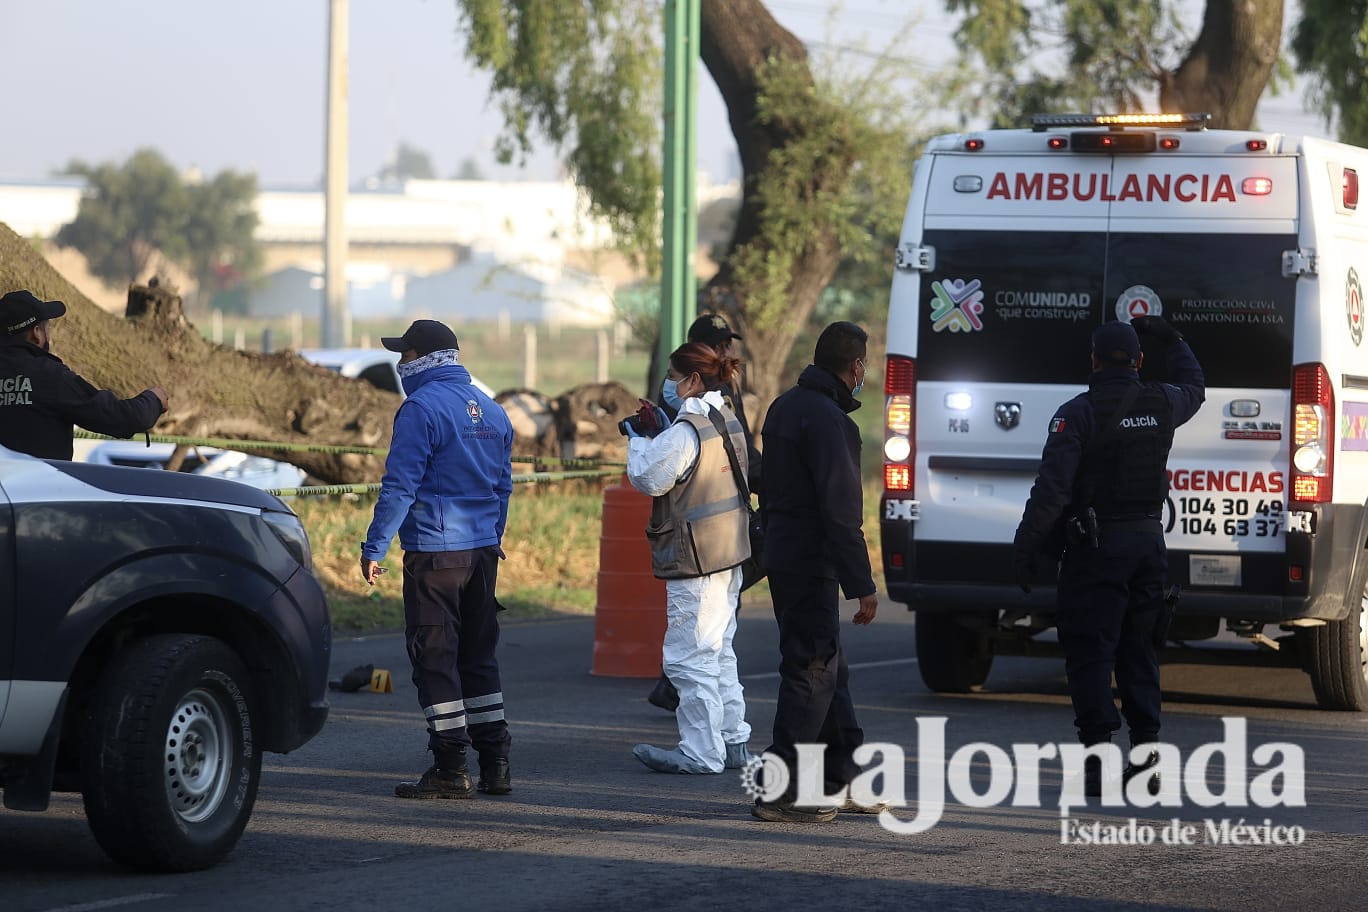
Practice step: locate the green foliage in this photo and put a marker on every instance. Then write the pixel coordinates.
(586, 74)
(409, 162)
(1023, 57)
(845, 172)
(127, 214)
(1331, 43)
(130, 212)
(220, 247)
(468, 170)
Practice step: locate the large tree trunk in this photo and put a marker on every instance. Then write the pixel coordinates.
(737, 38)
(1229, 65)
(215, 391)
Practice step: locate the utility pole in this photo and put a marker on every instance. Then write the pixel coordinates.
(336, 315)
(678, 281)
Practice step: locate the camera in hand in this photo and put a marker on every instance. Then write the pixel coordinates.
(648, 421)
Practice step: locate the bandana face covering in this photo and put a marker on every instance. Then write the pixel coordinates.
(436, 359)
(410, 371)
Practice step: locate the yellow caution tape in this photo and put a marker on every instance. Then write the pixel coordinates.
(225, 443)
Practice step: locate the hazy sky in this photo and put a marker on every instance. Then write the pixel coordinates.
(240, 84)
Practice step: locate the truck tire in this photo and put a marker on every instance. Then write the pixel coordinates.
(1337, 660)
(954, 653)
(169, 764)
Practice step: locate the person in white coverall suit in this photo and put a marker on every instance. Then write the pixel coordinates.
(698, 534)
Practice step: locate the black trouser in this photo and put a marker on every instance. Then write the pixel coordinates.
(1109, 601)
(814, 704)
(452, 632)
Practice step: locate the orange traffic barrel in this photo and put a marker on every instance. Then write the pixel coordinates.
(629, 621)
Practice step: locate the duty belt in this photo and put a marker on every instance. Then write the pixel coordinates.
(1146, 524)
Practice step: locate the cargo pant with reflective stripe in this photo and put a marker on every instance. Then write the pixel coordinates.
(452, 633)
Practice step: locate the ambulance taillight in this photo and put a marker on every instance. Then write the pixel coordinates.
(1313, 434)
(900, 387)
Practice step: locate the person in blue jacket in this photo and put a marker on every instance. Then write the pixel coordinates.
(1103, 473)
(447, 480)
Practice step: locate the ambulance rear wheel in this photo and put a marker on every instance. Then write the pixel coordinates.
(954, 651)
(1338, 660)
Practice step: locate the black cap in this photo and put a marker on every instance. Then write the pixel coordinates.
(424, 337)
(20, 310)
(711, 329)
(1116, 344)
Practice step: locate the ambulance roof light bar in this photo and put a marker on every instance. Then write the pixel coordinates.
(1043, 122)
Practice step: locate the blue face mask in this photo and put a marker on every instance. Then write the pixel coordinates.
(669, 391)
(864, 372)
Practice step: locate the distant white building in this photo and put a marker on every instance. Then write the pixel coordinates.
(373, 291)
(409, 247)
(487, 287)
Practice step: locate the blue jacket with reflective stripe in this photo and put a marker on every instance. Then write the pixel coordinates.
(449, 471)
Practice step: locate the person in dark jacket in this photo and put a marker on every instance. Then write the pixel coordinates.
(447, 481)
(813, 512)
(41, 398)
(1103, 474)
(713, 331)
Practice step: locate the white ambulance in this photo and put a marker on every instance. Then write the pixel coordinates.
(1015, 246)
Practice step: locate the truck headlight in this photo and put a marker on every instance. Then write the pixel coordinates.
(290, 531)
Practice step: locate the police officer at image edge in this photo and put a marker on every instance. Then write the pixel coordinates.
(1103, 480)
(445, 491)
(41, 398)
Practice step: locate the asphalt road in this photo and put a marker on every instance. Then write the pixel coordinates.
(588, 828)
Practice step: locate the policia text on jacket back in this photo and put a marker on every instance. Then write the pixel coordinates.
(41, 398)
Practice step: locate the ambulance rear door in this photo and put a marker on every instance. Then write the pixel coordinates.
(1003, 326)
(1199, 239)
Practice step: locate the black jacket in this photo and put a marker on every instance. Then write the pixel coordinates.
(41, 398)
(813, 508)
(1072, 427)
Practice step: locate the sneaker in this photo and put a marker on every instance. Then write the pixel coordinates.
(495, 778)
(664, 695)
(849, 804)
(739, 757)
(671, 761)
(1136, 769)
(785, 812)
(437, 783)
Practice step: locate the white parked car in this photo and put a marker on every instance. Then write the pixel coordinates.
(377, 366)
(232, 465)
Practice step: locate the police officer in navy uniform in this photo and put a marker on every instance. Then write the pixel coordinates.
(1103, 475)
(41, 398)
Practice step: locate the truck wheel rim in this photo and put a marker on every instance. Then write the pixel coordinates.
(197, 768)
(1363, 635)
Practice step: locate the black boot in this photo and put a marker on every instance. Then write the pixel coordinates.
(446, 778)
(1092, 769)
(1136, 769)
(1092, 777)
(664, 695)
(495, 778)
